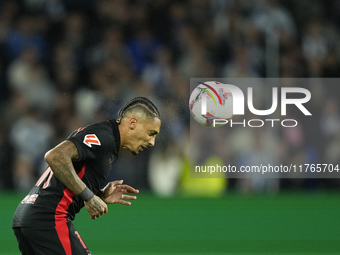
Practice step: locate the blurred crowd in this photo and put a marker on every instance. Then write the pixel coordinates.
(68, 63)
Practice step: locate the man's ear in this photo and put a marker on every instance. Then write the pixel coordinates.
(132, 123)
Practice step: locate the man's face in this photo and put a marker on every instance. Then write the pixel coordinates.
(144, 134)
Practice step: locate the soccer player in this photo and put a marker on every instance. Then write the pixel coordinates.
(78, 168)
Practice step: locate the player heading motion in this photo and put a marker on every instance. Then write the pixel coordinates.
(78, 168)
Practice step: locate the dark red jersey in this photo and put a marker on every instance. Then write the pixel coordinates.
(51, 202)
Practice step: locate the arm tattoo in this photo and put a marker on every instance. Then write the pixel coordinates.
(60, 160)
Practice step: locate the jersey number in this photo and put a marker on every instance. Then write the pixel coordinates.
(48, 173)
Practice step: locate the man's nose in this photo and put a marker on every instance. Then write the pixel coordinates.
(152, 141)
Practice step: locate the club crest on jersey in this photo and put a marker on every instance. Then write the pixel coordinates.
(91, 139)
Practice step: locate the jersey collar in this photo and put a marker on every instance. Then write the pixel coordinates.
(116, 133)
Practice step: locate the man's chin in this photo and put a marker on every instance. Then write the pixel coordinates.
(134, 153)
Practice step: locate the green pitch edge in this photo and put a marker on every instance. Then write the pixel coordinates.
(285, 224)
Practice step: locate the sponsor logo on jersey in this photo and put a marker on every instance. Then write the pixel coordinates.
(90, 140)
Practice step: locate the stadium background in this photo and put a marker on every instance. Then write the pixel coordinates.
(65, 64)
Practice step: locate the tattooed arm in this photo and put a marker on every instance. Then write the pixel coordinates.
(60, 160)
